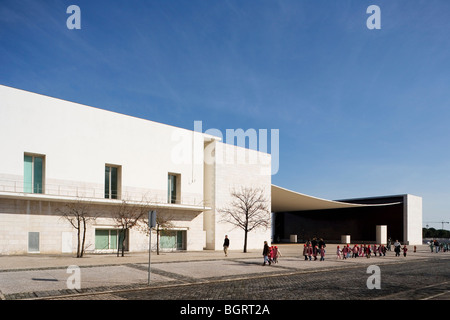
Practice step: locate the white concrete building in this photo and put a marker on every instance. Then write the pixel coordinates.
(56, 152)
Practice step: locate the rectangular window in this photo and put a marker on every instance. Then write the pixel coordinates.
(108, 239)
(173, 188)
(101, 239)
(112, 182)
(33, 176)
(171, 239)
(168, 239)
(180, 239)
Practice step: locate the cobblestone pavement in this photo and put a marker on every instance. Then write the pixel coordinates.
(420, 276)
(429, 279)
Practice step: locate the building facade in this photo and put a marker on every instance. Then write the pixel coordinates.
(57, 153)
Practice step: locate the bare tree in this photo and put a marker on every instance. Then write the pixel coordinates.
(164, 222)
(248, 210)
(79, 214)
(128, 215)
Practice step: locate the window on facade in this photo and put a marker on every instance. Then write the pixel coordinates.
(112, 182)
(33, 176)
(171, 239)
(173, 188)
(108, 239)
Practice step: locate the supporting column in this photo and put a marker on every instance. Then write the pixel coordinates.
(381, 234)
(345, 239)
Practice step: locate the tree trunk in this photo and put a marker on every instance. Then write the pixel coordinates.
(157, 241)
(123, 242)
(118, 243)
(121, 233)
(79, 239)
(84, 238)
(245, 241)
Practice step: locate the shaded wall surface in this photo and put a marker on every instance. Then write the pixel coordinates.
(360, 223)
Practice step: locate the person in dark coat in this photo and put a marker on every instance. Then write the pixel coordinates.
(226, 244)
(266, 251)
(314, 245)
(321, 243)
(397, 247)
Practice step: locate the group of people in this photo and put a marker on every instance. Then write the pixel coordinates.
(367, 251)
(435, 245)
(314, 248)
(270, 254)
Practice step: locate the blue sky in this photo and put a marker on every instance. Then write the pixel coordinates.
(360, 112)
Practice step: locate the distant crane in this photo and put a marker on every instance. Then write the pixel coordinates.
(437, 222)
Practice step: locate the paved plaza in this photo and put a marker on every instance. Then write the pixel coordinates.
(210, 275)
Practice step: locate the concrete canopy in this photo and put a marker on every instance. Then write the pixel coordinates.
(284, 200)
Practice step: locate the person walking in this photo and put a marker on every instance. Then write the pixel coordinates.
(276, 254)
(271, 254)
(338, 253)
(226, 244)
(355, 251)
(314, 247)
(345, 252)
(266, 251)
(405, 249)
(321, 243)
(322, 253)
(383, 250)
(397, 247)
(361, 250)
(310, 252)
(305, 251)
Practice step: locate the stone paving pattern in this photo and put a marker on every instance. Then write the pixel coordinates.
(209, 275)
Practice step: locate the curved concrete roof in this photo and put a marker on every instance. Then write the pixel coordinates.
(284, 200)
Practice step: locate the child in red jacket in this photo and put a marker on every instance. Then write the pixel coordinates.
(305, 251)
(315, 251)
(368, 251)
(345, 252)
(404, 250)
(338, 252)
(322, 253)
(310, 252)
